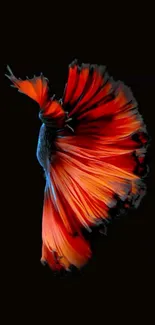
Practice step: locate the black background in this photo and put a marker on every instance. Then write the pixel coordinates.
(119, 279)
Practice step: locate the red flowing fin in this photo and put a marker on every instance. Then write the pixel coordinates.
(54, 111)
(104, 108)
(61, 249)
(36, 88)
(96, 81)
(53, 114)
(106, 155)
(112, 104)
(82, 80)
(84, 86)
(74, 163)
(97, 99)
(72, 81)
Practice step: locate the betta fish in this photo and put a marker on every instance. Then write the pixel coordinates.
(92, 146)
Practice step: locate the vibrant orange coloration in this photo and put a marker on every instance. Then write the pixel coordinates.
(37, 89)
(71, 84)
(56, 238)
(98, 158)
(53, 111)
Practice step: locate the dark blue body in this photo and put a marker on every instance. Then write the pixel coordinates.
(45, 146)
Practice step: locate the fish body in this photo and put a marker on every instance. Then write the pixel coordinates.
(45, 146)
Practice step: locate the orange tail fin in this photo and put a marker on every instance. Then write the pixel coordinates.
(36, 88)
(60, 248)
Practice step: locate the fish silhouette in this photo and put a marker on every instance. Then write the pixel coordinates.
(92, 146)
